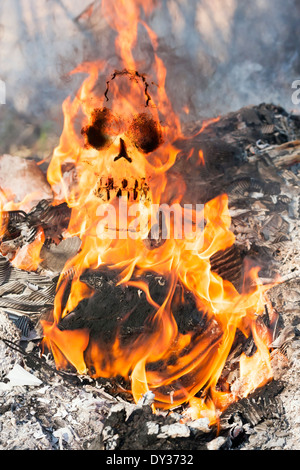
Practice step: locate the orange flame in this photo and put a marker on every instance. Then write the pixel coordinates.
(201, 157)
(197, 362)
(190, 364)
(28, 256)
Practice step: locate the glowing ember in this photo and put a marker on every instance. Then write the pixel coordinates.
(125, 148)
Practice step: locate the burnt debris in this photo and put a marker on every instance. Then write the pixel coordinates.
(125, 309)
(253, 156)
(137, 428)
(21, 228)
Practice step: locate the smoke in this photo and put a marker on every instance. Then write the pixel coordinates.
(220, 54)
(225, 54)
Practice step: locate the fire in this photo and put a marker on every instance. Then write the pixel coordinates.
(114, 160)
(28, 256)
(201, 157)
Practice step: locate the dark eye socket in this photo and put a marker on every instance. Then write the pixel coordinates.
(103, 129)
(145, 133)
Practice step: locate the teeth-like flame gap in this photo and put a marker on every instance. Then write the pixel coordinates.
(191, 364)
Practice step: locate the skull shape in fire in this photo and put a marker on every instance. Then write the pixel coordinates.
(130, 145)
